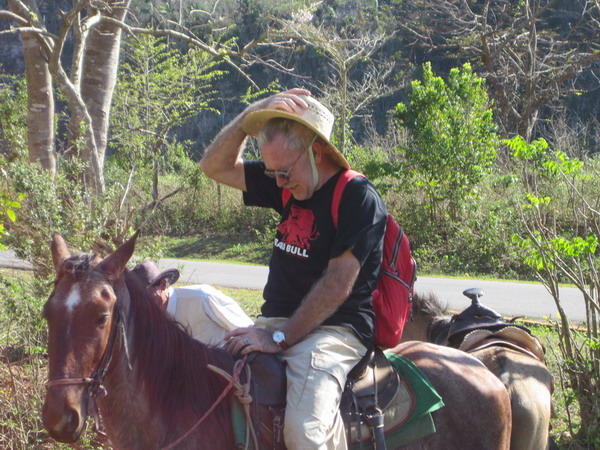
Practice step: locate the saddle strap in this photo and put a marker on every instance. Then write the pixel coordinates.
(367, 404)
(366, 410)
(503, 342)
(374, 418)
(374, 415)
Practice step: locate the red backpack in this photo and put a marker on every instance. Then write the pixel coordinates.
(393, 294)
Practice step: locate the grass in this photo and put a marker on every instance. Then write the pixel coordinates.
(219, 246)
(249, 300)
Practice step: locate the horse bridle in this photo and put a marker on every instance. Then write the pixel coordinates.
(95, 380)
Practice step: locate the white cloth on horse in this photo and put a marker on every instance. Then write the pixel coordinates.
(205, 312)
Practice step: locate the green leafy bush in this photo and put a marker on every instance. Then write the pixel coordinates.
(453, 138)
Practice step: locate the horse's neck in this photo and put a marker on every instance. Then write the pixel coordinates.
(415, 330)
(426, 329)
(134, 421)
(125, 410)
(438, 329)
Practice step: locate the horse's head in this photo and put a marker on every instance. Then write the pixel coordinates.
(80, 313)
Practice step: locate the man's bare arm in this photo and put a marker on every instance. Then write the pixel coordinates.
(222, 160)
(321, 302)
(325, 297)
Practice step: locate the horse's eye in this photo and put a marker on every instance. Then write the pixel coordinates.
(103, 320)
(105, 293)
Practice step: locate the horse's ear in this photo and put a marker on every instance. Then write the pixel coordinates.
(114, 264)
(60, 250)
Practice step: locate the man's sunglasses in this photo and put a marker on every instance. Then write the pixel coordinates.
(286, 175)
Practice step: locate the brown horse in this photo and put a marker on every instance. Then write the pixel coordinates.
(519, 365)
(106, 337)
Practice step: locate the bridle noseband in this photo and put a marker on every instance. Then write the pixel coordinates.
(95, 380)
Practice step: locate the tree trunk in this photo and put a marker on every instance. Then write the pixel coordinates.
(98, 77)
(40, 100)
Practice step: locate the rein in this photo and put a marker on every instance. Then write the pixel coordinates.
(239, 366)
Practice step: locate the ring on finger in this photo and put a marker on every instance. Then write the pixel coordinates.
(246, 341)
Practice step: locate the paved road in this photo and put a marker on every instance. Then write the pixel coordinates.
(8, 259)
(509, 299)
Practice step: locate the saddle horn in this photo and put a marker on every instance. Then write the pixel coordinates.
(474, 294)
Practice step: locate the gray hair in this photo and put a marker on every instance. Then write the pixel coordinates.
(296, 136)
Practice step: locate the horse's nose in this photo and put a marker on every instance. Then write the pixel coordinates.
(64, 423)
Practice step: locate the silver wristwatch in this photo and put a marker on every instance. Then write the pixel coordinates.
(279, 339)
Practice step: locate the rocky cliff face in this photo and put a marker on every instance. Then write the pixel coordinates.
(11, 54)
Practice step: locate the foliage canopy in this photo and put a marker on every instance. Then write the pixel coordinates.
(453, 137)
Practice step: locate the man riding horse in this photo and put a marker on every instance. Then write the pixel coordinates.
(317, 312)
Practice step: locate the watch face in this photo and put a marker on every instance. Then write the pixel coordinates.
(278, 336)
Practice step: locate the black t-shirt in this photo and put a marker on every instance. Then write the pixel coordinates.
(306, 240)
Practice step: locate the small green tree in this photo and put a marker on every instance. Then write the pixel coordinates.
(453, 137)
(561, 222)
(159, 89)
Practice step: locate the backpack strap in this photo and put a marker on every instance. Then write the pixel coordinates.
(342, 181)
(285, 196)
(338, 191)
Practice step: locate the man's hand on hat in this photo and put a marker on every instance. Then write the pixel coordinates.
(286, 101)
(250, 339)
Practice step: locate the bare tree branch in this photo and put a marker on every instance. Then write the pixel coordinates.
(224, 55)
(530, 59)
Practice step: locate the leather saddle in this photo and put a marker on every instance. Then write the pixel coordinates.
(370, 388)
(476, 317)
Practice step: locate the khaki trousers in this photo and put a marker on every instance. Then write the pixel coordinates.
(317, 368)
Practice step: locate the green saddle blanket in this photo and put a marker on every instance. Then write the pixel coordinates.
(415, 403)
(407, 419)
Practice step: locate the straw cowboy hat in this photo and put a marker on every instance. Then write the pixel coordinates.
(317, 118)
(150, 274)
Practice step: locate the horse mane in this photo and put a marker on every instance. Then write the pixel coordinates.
(169, 363)
(430, 307)
(79, 265)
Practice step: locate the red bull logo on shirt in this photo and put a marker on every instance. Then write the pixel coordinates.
(297, 232)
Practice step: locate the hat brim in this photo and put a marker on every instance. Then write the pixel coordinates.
(254, 121)
(171, 275)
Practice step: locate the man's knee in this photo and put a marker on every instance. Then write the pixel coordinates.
(303, 433)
